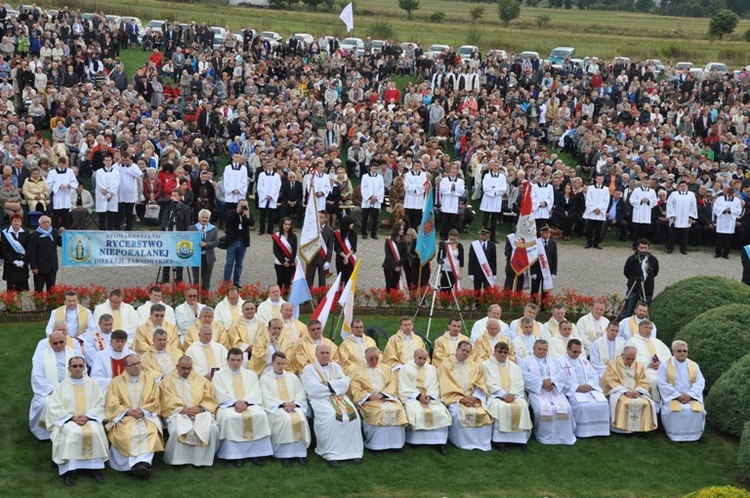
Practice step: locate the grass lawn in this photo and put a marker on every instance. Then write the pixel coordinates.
(601, 467)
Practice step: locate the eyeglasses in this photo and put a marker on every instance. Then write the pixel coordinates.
(58, 342)
(680, 350)
(76, 366)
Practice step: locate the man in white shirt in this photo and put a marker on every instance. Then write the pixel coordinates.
(682, 212)
(542, 200)
(322, 185)
(597, 201)
(642, 201)
(107, 185)
(373, 193)
(451, 188)
(494, 188)
(269, 186)
(127, 193)
(61, 182)
(235, 183)
(415, 184)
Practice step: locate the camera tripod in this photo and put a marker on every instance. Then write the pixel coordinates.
(433, 287)
(630, 292)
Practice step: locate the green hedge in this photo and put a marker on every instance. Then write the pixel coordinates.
(719, 492)
(728, 402)
(680, 303)
(717, 338)
(743, 455)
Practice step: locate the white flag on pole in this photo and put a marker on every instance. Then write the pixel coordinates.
(347, 15)
(309, 244)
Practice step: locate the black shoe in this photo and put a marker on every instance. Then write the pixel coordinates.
(97, 476)
(725, 257)
(257, 462)
(238, 463)
(375, 453)
(443, 450)
(286, 462)
(374, 237)
(501, 447)
(684, 252)
(261, 232)
(357, 461)
(141, 470)
(334, 464)
(588, 246)
(717, 256)
(525, 448)
(597, 246)
(302, 461)
(364, 236)
(670, 251)
(70, 479)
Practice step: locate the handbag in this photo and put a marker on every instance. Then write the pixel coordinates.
(223, 242)
(152, 212)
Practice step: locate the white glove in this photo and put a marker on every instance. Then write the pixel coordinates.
(326, 266)
(471, 278)
(18, 263)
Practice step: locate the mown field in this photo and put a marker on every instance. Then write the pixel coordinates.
(641, 466)
(604, 34)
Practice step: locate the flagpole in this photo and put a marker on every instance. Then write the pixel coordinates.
(338, 324)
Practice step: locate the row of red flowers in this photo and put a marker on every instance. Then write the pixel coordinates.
(511, 302)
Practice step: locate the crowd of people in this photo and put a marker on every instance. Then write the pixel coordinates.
(657, 154)
(243, 383)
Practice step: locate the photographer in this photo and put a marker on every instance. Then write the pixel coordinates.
(238, 240)
(640, 269)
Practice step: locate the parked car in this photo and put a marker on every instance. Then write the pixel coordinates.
(353, 44)
(305, 37)
(467, 52)
(559, 55)
(683, 67)
(658, 66)
(156, 25)
(436, 50)
(716, 67)
(272, 35)
(377, 46)
(529, 54)
(219, 35)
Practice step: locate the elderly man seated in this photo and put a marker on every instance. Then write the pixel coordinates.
(75, 413)
(132, 412)
(188, 405)
(338, 431)
(627, 387)
(506, 401)
(681, 385)
(652, 352)
(161, 359)
(206, 317)
(545, 380)
(243, 425)
(419, 390)
(494, 312)
(49, 367)
(590, 408)
(484, 346)
(285, 400)
(374, 389)
(463, 390)
(208, 355)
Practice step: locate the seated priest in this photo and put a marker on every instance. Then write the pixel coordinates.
(338, 432)
(245, 329)
(627, 387)
(681, 385)
(401, 346)
(243, 425)
(590, 407)
(419, 391)
(463, 390)
(78, 318)
(352, 349)
(506, 400)
(155, 297)
(652, 352)
(445, 345)
(374, 388)
(144, 334)
(49, 367)
(524, 342)
(188, 404)
(124, 316)
(285, 400)
(304, 354)
(206, 317)
(267, 342)
(494, 312)
(294, 329)
(110, 363)
(132, 413)
(98, 339)
(484, 346)
(558, 344)
(208, 355)
(75, 413)
(606, 348)
(545, 380)
(161, 358)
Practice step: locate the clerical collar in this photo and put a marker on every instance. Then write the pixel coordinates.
(645, 189)
(61, 171)
(543, 185)
(598, 186)
(682, 193)
(78, 382)
(235, 372)
(415, 173)
(134, 379)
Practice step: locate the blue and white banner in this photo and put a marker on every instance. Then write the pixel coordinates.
(115, 248)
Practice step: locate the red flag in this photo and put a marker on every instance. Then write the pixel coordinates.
(525, 250)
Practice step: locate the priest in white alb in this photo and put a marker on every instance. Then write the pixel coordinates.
(208, 355)
(419, 391)
(514, 326)
(110, 363)
(552, 326)
(352, 349)
(463, 390)
(506, 400)
(681, 385)
(495, 311)
(124, 316)
(374, 388)
(188, 404)
(97, 340)
(61, 327)
(186, 314)
(592, 325)
(133, 424)
(606, 348)
(545, 380)
(243, 425)
(229, 309)
(271, 307)
(629, 326)
(445, 345)
(524, 342)
(627, 388)
(75, 413)
(78, 317)
(161, 359)
(154, 297)
(484, 346)
(144, 334)
(338, 431)
(285, 400)
(590, 407)
(651, 353)
(206, 317)
(49, 367)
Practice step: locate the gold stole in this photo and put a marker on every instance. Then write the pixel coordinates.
(633, 326)
(427, 411)
(297, 432)
(537, 330)
(233, 313)
(208, 352)
(342, 407)
(651, 348)
(239, 394)
(515, 408)
(116, 319)
(553, 327)
(674, 405)
(82, 322)
(87, 435)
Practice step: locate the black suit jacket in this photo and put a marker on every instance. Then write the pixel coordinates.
(41, 252)
(491, 253)
(289, 194)
(183, 216)
(208, 125)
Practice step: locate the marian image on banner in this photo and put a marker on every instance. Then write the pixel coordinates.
(116, 248)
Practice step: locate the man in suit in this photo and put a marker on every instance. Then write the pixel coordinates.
(477, 274)
(208, 121)
(291, 198)
(176, 217)
(209, 241)
(537, 277)
(321, 262)
(41, 254)
(617, 215)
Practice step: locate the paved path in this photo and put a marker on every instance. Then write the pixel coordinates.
(589, 271)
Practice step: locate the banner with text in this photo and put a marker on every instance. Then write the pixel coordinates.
(115, 248)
